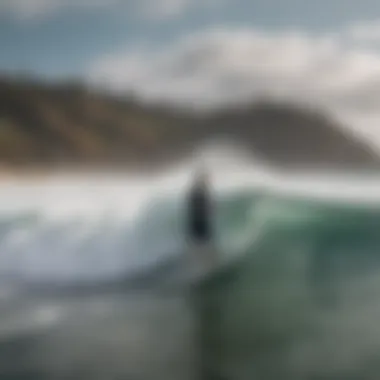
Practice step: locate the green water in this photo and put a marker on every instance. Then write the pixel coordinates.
(304, 280)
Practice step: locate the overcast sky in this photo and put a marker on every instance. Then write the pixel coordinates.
(324, 52)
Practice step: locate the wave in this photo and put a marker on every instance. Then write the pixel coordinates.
(88, 229)
(304, 293)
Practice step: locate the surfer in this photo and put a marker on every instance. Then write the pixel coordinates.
(200, 229)
(203, 260)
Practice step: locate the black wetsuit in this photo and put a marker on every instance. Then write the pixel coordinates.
(199, 215)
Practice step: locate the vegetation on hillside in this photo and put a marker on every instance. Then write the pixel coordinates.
(47, 124)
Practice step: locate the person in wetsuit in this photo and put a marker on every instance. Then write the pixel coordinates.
(199, 212)
(200, 226)
(203, 259)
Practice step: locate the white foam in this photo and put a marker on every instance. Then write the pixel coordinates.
(90, 226)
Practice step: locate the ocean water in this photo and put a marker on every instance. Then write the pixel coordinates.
(92, 278)
(302, 301)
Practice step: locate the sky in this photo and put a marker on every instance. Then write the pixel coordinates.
(207, 52)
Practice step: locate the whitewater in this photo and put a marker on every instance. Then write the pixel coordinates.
(96, 227)
(296, 296)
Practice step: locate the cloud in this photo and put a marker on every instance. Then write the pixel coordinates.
(167, 9)
(365, 32)
(26, 9)
(146, 9)
(31, 9)
(163, 9)
(224, 66)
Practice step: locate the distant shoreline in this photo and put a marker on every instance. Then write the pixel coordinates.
(42, 172)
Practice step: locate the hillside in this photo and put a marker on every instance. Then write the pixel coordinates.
(52, 125)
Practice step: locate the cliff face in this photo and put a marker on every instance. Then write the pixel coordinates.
(64, 124)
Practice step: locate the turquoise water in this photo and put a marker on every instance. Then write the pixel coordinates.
(302, 300)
